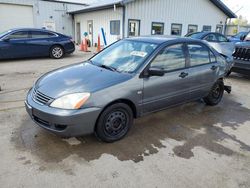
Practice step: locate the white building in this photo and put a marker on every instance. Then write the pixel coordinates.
(127, 18)
(49, 14)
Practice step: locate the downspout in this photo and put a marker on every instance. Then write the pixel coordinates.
(123, 20)
(225, 30)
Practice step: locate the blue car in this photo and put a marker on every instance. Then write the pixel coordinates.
(22, 43)
(237, 37)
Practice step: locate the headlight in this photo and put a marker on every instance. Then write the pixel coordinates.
(71, 101)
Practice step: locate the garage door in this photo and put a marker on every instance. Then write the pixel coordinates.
(13, 16)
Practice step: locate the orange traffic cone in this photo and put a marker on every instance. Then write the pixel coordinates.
(99, 44)
(84, 45)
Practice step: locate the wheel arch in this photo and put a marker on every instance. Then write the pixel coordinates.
(53, 45)
(125, 101)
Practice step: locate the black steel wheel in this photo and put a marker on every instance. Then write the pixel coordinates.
(216, 94)
(114, 122)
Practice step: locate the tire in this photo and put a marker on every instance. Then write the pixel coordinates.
(215, 95)
(56, 52)
(228, 73)
(114, 123)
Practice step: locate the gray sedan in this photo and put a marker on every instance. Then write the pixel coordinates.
(131, 78)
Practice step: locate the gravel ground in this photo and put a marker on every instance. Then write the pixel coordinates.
(192, 145)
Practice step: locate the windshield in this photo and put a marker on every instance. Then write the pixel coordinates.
(247, 37)
(124, 56)
(195, 35)
(4, 33)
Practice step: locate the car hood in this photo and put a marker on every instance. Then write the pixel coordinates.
(226, 48)
(83, 77)
(245, 44)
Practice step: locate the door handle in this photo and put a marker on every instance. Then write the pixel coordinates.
(183, 75)
(214, 67)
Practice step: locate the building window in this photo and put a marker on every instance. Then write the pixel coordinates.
(115, 27)
(157, 28)
(207, 28)
(192, 28)
(219, 29)
(176, 29)
(133, 28)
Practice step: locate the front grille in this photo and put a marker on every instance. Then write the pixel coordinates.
(40, 98)
(242, 53)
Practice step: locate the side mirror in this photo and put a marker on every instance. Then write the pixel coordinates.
(242, 38)
(156, 72)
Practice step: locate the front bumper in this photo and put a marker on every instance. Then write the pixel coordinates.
(242, 67)
(67, 123)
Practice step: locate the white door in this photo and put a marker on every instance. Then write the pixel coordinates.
(14, 16)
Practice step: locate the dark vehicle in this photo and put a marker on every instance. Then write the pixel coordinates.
(218, 41)
(22, 43)
(237, 37)
(242, 56)
(131, 78)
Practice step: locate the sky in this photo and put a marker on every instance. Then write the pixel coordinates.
(242, 5)
(234, 5)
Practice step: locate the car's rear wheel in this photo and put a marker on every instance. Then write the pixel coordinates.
(114, 122)
(215, 95)
(56, 52)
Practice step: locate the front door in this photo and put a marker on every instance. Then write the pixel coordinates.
(173, 87)
(16, 45)
(90, 31)
(133, 28)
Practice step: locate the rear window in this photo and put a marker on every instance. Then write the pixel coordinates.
(41, 34)
(195, 35)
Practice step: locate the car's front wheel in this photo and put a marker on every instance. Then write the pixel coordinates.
(114, 122)
(215, 95)
(56, 52)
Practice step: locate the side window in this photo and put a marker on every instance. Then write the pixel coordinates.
(19, 35)
(211, 38)
(198, 54)
(40, 34)
(171, 58)
(221, 38)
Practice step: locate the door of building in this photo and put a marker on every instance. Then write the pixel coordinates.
(133, 28)
(90, 31)
(78, 33)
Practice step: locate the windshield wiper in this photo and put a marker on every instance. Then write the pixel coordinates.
(108, 67)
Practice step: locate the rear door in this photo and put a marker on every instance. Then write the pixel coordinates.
(203, 69)
(173, 87)
(40, 42)
(16, 45)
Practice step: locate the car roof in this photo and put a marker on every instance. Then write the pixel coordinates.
(163, 39)
(30, 29)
